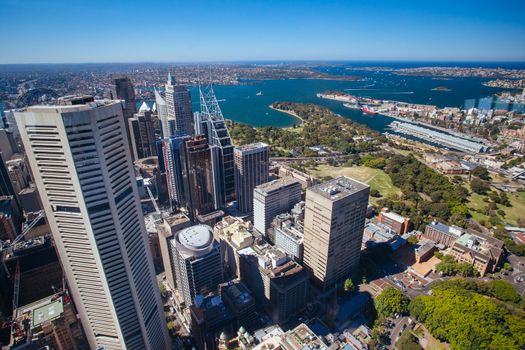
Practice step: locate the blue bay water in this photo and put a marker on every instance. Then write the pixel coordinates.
(241, 103)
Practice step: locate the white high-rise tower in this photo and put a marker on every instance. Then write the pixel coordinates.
(179, 109)
(79, 154)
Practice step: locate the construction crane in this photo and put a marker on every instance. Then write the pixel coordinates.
(5, 245)
(153, 201)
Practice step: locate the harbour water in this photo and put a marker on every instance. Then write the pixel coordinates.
(241, 102)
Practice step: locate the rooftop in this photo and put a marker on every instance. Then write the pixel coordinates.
(276, 185)
(251, 147)
(450, 230)
(195, 237)
(338, 188)
(71, 104)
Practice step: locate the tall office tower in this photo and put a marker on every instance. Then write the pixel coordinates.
(197, 260)
(334, 221)
(162, 114)
(171, 153)
(210, 122)
(273, 198)
(197, 176)
(82, 168)
(179, 111)
(122, 89)
(251, 169)
(142, 135)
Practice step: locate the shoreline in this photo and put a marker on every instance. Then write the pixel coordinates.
(289, 112)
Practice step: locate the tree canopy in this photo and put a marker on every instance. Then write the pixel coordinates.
(390, 302)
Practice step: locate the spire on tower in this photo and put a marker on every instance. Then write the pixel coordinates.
(171, 80)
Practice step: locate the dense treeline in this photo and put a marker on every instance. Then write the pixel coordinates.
(457, 312)
(320, 126)
(426, 193)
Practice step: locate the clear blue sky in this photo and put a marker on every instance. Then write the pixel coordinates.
(34, 31)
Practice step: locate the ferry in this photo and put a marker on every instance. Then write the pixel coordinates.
(366, 110)
(259, 93)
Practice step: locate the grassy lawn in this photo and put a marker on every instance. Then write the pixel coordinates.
(512, 214)
(375, 178)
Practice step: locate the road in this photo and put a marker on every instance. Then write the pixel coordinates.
(397, 330)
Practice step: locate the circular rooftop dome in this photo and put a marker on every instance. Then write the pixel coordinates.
(195, 240)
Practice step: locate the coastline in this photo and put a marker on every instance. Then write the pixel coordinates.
(292, 113)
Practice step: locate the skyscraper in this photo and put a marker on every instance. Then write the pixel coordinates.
(251, 169)
(197, 176)
(333, 229)
(274, 198)
(179, 110)
(83, 170)
(142, 135)
(122, 89)
(210, 123)
(6, 188)
(197, 260)
(171, 153)
(162, 113)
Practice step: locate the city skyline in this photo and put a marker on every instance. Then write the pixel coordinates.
(211, 32)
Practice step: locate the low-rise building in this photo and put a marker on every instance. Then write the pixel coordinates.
(305, 179)
(442, 234)
(399, 224)
(483, 252)
(424, 251)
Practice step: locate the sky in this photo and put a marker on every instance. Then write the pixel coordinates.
(76, 31)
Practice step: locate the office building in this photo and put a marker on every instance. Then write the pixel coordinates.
(210, 123)
(122, 89)
(197, 176)
(179, 111)
(19, 173)
(274, 198)
(233, 235)
(238, 298)
(167, 229)
(49, 323)
(10, 218)
(6, 187)
(171, 154)
(288, 234)
(162, 114)
(251, 170)
(278, 284)
(142, 135)
(443, 234)
(211, 321)
(334, 221)
(82, 167)
(197, 262)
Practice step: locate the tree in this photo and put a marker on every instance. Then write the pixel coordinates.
(412, 239)
(503, 291)
(349, 286)
(479, 186)
(466, 270)
(447, 266)
(375, 193)
(407, 341)
(481, 172)
(391, 301)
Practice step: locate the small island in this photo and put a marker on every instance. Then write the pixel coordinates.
(441, 88)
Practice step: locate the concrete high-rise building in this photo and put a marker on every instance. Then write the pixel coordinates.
(197, 260)
(179, 111)
(142, 135)
(251, 169)
(273, 198)
(82, 167)
(197, 176)
(6, 187)
(334, 221)
(122, 89)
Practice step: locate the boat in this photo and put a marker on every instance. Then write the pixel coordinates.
(366, 110)
(352, 105)
(259, 93)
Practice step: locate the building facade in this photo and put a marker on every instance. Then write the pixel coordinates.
(197, 176)
(251, 170)
(333, 229)
(197, 262)
(273, 198)
(142, 135)
(81, 161)
(122, 89)
(179, 111)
